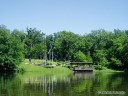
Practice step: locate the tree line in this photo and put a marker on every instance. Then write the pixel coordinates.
(103, 48)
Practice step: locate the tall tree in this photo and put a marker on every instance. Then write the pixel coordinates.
(33, 38)
(11, 50)
(65, 45)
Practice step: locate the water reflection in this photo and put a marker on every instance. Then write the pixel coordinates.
(46, 84)
(85, 75)
(77, 84)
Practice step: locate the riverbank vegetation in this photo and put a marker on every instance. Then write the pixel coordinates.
(103, 48)
(33, 68)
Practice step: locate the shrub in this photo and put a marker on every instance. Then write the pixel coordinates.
(80, 56)
(100, 58)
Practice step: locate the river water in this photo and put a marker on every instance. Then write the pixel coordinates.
(76, 84)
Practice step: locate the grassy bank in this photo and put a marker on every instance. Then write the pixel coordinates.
(25, 66)
(57, 69)
(107, 70)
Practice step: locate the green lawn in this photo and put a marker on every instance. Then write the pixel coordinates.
(33, 68)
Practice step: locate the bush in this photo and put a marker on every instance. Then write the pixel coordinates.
(115, 63)
(98, 67)
(80, 56)
(100, 58)
(126, 70)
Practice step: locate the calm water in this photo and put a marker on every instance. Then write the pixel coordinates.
(78, 84)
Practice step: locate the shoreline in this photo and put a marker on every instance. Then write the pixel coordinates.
(26, 67)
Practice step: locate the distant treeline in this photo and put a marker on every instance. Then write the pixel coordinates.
(104, 48)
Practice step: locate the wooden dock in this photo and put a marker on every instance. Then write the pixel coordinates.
(82, 66)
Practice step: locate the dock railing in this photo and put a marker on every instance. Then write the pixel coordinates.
(82, 66)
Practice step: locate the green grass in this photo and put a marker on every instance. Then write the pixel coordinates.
(107, 70)
(56, 70)
(42, 70)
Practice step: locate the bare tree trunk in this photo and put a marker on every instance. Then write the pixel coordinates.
(30, 61)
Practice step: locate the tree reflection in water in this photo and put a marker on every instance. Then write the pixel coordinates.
(77, 84)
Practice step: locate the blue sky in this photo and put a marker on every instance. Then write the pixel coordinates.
(78, 16)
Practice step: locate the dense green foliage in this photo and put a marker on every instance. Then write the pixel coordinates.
(34, 44)
(105, 49)
(79, 56)
(11, 50)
